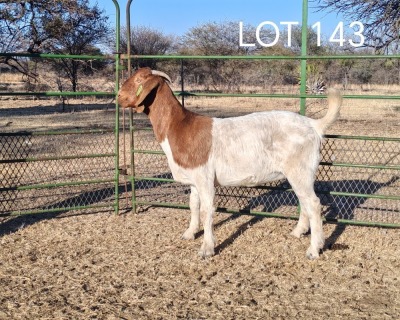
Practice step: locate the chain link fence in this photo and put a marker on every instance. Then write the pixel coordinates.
(56, 171)
(358, 181)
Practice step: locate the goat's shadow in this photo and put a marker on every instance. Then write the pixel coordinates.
(336, 206)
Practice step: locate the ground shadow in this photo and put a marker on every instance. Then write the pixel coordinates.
(87, 198)
(338, 207)
(15, 223)
(233, 237)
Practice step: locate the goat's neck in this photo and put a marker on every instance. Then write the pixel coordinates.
(164, 112)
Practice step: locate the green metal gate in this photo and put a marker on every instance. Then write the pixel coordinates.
(62, 169)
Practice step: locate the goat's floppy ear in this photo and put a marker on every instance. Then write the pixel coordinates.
(145, 88)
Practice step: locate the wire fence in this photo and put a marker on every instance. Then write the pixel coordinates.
(60, 169)
(56, 171)
(358, 182)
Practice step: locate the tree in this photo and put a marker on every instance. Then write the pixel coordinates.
(75, 32)
(146, 41)
(312, 40)
(216, 39)
(381, 19)
(316, 69)
(22, 29)
(48, 26)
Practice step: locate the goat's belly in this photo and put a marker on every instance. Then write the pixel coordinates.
(231, 178)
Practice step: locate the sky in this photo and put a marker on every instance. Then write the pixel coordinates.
(176, 17)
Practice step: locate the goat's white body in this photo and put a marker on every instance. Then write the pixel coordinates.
(252, 150)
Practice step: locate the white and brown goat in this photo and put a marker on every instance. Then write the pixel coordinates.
(248, 150)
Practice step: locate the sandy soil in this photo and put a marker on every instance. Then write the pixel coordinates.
(102, 266)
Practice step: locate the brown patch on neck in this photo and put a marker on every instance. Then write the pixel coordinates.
(190, 140)
(189, 134)
(162, 108)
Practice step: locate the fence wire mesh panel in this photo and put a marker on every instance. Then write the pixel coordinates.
(56, 171)
(62, 153)
(358, 180)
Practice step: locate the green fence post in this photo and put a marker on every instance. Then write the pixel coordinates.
(131, 124)
(117, 62)
(303, 62)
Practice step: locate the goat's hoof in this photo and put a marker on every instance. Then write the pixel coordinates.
(188, 235)
(299, 231)
(312, 253)
(296, 233)
(206, 251)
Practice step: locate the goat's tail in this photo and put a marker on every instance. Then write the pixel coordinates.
(334, 104)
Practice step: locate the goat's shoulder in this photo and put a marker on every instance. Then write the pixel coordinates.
(190, 139)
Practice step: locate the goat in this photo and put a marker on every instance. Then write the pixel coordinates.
(248, 150)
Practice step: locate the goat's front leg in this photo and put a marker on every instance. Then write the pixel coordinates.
(207, 211)
(303, 225)
(194, 215)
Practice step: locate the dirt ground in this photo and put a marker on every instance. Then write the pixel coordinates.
(102, 266)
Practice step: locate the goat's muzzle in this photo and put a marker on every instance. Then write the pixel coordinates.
(124, 100)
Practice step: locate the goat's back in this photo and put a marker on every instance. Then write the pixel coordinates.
(260, 147)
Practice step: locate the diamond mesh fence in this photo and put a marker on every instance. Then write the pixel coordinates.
(56, 171)
(358, 181)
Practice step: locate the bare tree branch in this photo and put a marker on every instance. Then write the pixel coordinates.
(381, 19)
(50, 26)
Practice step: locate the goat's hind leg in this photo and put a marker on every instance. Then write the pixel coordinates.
(312, 208)
(311, 212)
(194, 215)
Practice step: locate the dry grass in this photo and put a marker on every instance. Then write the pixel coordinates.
(47, 114)
(7, 77)
(136, 267)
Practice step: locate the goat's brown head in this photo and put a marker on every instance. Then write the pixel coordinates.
(139, 90)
